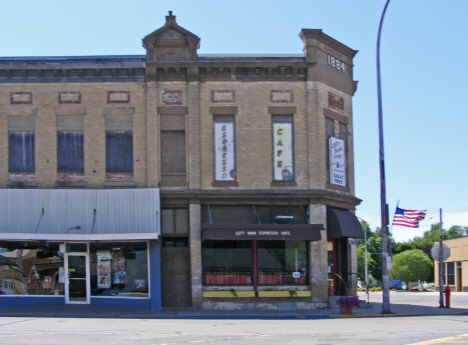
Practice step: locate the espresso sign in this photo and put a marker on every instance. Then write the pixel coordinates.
(309, 234)
(337, 162)
(224, 151)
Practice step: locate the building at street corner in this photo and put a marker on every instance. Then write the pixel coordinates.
(455, 268)
(175, 179)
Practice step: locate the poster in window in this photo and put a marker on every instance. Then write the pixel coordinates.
(139, 285)
(119, 272)
(224, 146)
(283, 153)
(104, 269)
(337, 162)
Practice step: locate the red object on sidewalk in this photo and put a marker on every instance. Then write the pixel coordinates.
(447, 296)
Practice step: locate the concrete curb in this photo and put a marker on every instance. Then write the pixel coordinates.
(227, 317)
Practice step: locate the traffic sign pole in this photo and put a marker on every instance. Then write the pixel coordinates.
(441, 263)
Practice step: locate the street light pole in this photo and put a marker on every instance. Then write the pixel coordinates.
(383, 202)
(441, 265)
(365, 263)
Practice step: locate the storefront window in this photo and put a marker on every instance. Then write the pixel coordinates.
(282, 262)
(450, 273)
(31, 269)
(231, 262)
(119, 269)
(227, 262)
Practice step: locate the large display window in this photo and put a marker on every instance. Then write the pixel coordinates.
(273, 262)
(227, 262)
(282, 262)
(31, 269)
(119, 269)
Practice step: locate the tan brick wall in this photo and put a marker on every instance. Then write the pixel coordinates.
(318, 256)
(195, 253)
(253, 132)
(94, 99)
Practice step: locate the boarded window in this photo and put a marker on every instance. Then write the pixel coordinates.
(174, 221)
(283, 147)
(119, 152)
(21, 152)
(172, 152)
(70, 153)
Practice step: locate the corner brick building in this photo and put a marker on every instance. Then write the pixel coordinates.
(177, 179)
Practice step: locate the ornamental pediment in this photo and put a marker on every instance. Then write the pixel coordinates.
(171, 42)
(171, 34)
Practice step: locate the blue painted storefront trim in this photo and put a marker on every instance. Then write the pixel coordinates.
(119, 302)
(31, 301)
(155, 274)
(153, 303)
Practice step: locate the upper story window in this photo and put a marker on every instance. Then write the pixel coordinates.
(224, 148)
(282, 127)
(173, 152)
(70, 155)
(119, 155)
(336, 136)
(21, 153)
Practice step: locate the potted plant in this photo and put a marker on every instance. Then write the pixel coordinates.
(346, 304)
(349, 288)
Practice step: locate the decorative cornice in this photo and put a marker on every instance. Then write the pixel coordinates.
(266, 197)
(331, 42)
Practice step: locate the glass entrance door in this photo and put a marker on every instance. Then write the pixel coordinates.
(77, 278)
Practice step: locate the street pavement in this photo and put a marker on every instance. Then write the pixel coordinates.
(402, 304)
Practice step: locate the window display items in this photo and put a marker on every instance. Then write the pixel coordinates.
(104, 259)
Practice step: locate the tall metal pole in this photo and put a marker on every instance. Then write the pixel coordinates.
(441, 265)
(365, 258)
(383, 202)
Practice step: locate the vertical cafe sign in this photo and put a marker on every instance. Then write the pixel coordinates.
(337, 162)
(224, 146)
(283, 166)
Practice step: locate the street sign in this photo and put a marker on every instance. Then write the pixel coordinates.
(395, 282)
(389, 263)
(445, 252)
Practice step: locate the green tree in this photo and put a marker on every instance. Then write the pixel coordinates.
(410, 266)
(432, 235)
(361, 254)
(374, 247)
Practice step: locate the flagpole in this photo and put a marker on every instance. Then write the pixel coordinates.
(383, 203)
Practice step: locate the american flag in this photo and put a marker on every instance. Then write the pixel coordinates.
(409, 218)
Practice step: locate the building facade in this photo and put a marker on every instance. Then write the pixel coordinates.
(455, 268)
(245, 162)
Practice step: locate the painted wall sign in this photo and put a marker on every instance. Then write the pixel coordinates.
(283, 151)
(224, 146)
(337, 162)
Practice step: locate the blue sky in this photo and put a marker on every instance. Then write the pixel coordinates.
(423, 61)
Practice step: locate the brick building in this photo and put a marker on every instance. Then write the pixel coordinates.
(455, 268)
(176, 179)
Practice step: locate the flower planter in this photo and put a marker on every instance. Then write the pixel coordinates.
(346, 310)
(331, 292)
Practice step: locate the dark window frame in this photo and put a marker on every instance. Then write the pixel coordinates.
(119, 160)
(29, 151)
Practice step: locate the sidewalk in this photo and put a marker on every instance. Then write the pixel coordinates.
(374, 309)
